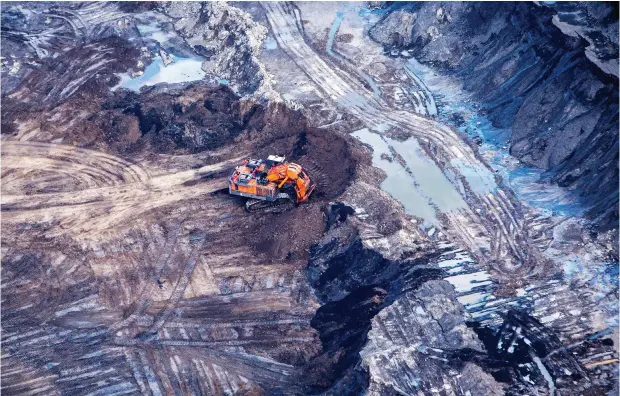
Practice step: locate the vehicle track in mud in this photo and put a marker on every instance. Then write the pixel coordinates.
(137, 303)
(204, 330)
(494, 230)
(92, 168)
(80, 23)
(490, 222)
(143, 300)
(98, 191)
(106, 287)
(86, 20)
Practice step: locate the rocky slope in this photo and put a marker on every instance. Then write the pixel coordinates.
(389, 324)
(546, 73)
(228, 39)
(126, 269)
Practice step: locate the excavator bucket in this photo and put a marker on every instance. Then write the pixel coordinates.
(310, 190)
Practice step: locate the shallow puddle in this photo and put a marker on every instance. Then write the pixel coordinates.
(180, 70)
(416, 182)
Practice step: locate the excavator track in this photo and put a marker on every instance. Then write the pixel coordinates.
(281, 204)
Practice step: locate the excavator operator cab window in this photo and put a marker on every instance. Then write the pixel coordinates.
(254, 163)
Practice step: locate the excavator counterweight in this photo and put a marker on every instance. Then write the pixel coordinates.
(270, 183)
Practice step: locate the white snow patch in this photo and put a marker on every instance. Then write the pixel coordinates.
(474, 298)
(466, 282)
(545, 374)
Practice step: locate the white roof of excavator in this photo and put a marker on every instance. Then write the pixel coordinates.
(276, 158)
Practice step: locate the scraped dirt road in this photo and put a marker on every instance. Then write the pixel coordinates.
(101, 190)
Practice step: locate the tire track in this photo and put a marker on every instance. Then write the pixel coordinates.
(103, 169)
(179, 289)
(147, 292)
(487, 208)
(109, 191)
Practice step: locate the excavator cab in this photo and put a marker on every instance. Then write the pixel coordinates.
(270, 183)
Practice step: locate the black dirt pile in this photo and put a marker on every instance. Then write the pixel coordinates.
(354, 283)
(179, 119)
(344, 326)
(331, 159)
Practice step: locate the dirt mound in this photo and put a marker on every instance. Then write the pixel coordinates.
(179, 119)
(331, 160)
(329, 156)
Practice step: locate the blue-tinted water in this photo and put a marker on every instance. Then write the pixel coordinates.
(180, 70)
(270, 43)
(332, 35)
(457, 109)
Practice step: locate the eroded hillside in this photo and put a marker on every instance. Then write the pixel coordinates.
(418, 266)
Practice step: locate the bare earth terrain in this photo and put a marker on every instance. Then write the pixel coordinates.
(420, 265)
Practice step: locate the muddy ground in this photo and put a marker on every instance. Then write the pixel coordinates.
(121, 240)
(128, 269)
(153, 239)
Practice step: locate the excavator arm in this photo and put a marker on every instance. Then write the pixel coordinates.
(294, 174)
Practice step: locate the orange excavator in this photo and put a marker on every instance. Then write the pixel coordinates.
(270, 184)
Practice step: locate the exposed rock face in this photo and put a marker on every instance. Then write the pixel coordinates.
(342, 338)
(388, 324)
(396, 28)
(229, 40)
(406, 349)
(353, 266)
(551, 82)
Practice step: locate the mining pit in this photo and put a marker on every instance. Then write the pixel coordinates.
(422, 263)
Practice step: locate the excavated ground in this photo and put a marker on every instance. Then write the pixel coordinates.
(128, 269)
(125, 251)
